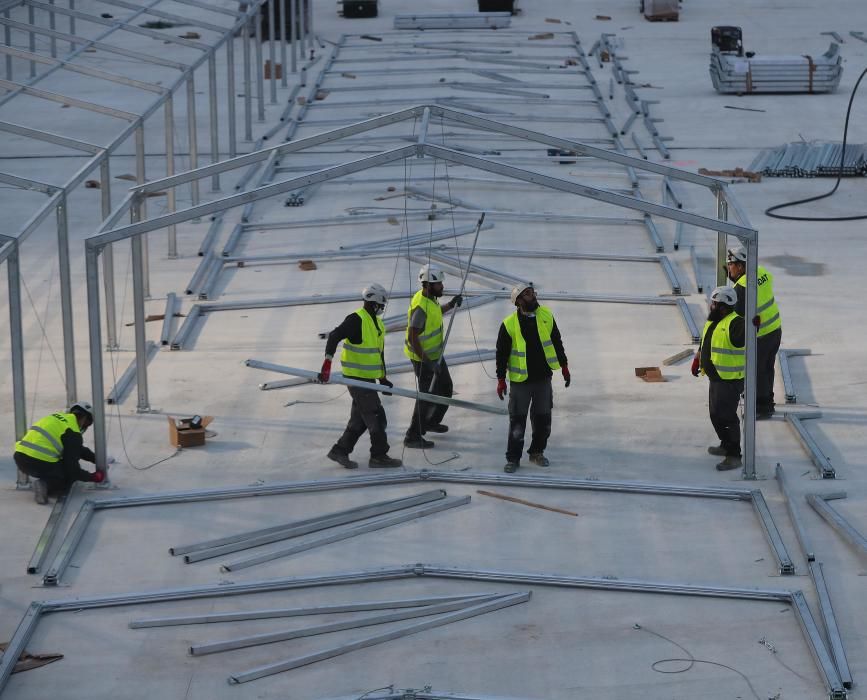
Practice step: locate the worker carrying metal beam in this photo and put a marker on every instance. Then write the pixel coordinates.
(363, 335)
(51, 449)
(529, 346)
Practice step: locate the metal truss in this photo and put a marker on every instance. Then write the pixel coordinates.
(809, 629)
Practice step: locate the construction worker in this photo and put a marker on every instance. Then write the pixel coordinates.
(530, 348)
(767, 321)
(424, 346)
(49, 452)
(363, 336)
(721, 357)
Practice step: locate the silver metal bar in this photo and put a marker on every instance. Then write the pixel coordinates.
(66, 301)
(125, 381)
(826, 610)
(70, 101)
(292, 530)
(293, 13)
(272, 613)
(359, 512)
(50, 137)
(186, 328)
(783, 360)
(354, 531)
(210, 278)
(248, 82)
(691, 326)
(172, 303)
(198, 21)
(823, 660)
(472, 611)
(773, 534)
(794, 515)
(397, 391)
(838, 522)
(201, 273)
(192, 136)
(49, 532)
(272, 49)
(384, 618)
(668, 269)
(260, 78)
(16, 646)
(213, 118)
(91, 260)
(817, 457)
(283, 66)
(70, 543)
(108, 259)
(171, 197)
(231, 98)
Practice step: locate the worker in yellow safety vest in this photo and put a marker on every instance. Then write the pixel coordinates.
(424, 346)
(51, 449)
(767, 321)
(363, 336)
(529, 350)
(722, 359)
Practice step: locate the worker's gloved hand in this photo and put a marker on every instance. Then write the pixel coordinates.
(456, 301)
(566, 376)
(501, 388)
(325, 372)
(97, 477)
(695, 368)
(757, 321)
(385, 382)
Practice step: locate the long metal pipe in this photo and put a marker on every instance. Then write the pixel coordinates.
(260, 76)
(16, 343)
(192, 135)
(171, 197)
(141, 353)
(214, 119)
(66, 300)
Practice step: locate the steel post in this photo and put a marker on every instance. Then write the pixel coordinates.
(302, 27)
(66, 300)
(169, 126)
(141, 354)
(248, 84)
(260, 77)
(108, 261)
(293, 13)
(31, 20)
(140, 178)
(16, 343)
(231, 96)
(7, 37)
(95, 338)
(750, 357)
(213, 118)
(272, 49)
(52, 24)
(192, 135)
(283, 71)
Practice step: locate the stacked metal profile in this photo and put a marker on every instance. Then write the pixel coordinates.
(811, 160)
(454, 20)
(790, 73)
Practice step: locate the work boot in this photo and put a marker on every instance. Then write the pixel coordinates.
(511, 467)
(539, 459)
(436, 428)
(342, 459)
(730, 462)
(40, 491)
(383, 461)
(717, 451)
(418, 443)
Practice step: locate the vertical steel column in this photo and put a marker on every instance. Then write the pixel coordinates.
(97, 386)
(141, 358)
(71, 24)
(283, 71)
(722, 213)
(272, 49)
(108, 261)
(310, 7)
(214, 124)
(31, 19)
(140, 178)
(192, 136)
(16, 343)
(248, 86)
(7, 37)
(170, 170)
(52, 25)
(260, 79)
(303, 5)
(293, 30)
(231, 96)
(751, 373)
(66, 299)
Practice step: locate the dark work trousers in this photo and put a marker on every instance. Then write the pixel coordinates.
(537, 399)
(723, 398)
(425, 413)
(766, 355)
(367, 414)
(58, 476)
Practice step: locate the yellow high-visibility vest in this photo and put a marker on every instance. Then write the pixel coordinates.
(518, 356)
(364, 361)
(42, 441)
(431, 337)
(766, 305)
(729, 361)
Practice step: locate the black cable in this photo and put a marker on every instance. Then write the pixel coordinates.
(860, 217)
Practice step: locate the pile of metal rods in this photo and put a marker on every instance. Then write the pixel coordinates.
(811, 160)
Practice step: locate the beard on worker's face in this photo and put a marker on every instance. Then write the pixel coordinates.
(530, 306)
(717, 313)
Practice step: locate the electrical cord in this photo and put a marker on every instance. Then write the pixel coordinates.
(860, 217)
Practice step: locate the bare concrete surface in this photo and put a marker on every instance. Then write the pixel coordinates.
(608, 425)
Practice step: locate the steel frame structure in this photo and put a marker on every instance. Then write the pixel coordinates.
(58, 195)
(809, 629)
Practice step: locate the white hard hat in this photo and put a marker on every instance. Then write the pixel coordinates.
(724, 295)
(518, 290)
(430, 274)
(375, 293)
(83, 406)
(738, 254)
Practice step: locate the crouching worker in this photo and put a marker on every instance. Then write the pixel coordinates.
(49, 452)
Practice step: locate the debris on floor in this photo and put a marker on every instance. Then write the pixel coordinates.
(649, 374)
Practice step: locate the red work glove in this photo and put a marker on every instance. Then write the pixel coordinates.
(501, 388)
(385, 382)
(566, 376)
(97, 477)
(695, 367)
(325, 372)
(757, 321)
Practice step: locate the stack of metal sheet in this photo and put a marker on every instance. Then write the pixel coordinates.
(811, 160)
(740, 75)
(454, 20)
